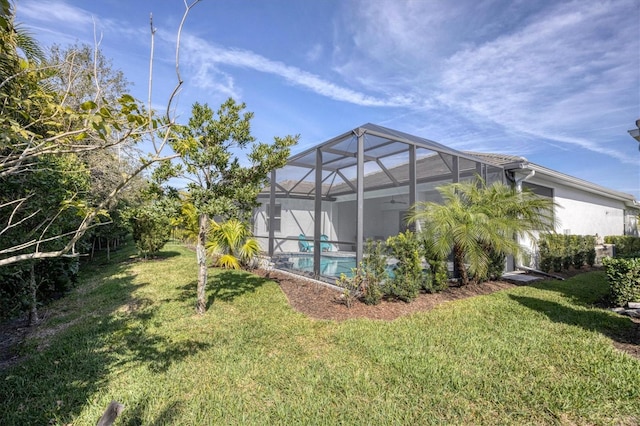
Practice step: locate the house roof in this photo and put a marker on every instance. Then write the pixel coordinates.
(514, 163)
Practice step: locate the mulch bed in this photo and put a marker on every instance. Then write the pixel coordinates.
(321, 302)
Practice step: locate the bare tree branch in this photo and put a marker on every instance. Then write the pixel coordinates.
(20, 157)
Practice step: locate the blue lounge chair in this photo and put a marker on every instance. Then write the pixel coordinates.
(325, 246)
(303, 244)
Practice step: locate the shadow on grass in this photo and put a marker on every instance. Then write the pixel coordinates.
(227, 285)
(618, 328)
(167, 416)
(110, 333)
(586, 289)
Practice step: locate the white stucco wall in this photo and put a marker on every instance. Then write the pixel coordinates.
(585, 213)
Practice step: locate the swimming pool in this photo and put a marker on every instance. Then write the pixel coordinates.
(331, 266)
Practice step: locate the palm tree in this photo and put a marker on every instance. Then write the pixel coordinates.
(231, 243)
(476, 221)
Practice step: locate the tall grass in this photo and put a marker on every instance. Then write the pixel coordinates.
(530, 355)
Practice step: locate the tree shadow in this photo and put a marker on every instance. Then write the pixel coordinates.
(133, 416)
(157, 352)
(618, 328)
(586, 289)
(227, 285)
(55, 382)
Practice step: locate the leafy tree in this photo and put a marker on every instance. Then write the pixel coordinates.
(151, 228)
(219, 184)
(231, 244)
(476, 221)
(40, 115)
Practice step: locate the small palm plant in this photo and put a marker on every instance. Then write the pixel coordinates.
(477, 222)
(231, 244)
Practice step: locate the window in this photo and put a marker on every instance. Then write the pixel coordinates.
(275, 221)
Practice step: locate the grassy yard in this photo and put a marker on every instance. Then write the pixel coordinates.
(530, 355)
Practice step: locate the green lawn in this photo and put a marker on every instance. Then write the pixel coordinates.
(530, 355)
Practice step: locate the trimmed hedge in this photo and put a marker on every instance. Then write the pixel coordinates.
(559, 252)
(626, 245)
(624, 279)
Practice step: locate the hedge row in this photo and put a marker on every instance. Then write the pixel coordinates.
(626, 245)
(559, 252)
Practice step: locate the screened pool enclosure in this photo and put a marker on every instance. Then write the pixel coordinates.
(320, 208)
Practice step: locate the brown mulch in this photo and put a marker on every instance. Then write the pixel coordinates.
(321, 302)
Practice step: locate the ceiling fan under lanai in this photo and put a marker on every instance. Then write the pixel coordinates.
(394, 201)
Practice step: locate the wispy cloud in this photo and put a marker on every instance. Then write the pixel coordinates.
(540, 70)
(55, 17)
(577, 62)
(53, 11)
(208, 57)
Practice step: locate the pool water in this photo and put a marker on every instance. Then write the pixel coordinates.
(330, 266)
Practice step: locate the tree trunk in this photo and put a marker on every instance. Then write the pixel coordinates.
(33, 291)
(458, 261)
(201, 256)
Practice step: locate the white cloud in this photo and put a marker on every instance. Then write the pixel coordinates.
(315, 53)
(206, 56)
(55, 12)
(575, 64)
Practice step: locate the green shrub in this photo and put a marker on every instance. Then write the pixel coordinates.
(589, 249)
(626, 245)
(407, 280)
(559, 252)
(54, 277)
(436, 278)
(151, 229)
(367, 278)
(624, 279)
(375, 272)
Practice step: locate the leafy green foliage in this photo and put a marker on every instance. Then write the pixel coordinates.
(231, 244)
(626, 245)
(475, 216)
(375, 272)
(559, 252)
(407, 276)
(624, 280)
(221, 185)
(368, 279)
(437, 278)
(151, 227)
(210, 147)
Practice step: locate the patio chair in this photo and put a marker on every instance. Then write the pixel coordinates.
(303, 244)
(324, 245)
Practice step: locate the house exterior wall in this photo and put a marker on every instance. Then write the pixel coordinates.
(578, 212)
(585, 213)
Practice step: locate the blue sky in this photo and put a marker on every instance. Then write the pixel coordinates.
(557, 82)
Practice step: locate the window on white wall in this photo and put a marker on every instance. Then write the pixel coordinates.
(276, 220)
